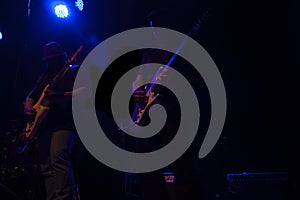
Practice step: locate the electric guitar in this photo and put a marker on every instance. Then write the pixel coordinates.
(41, 107)
(139, 110)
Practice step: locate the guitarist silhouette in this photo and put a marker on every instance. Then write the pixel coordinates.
(51, 99)
(152, 184)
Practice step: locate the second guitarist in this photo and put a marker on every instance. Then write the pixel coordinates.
(153, 184)
(56, 134)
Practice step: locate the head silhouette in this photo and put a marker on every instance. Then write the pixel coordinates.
(164, 18)
(53, 55)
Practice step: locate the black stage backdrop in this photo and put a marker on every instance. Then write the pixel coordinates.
(252, 42)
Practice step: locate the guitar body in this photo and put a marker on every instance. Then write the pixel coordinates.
(32, 127)
(140, 110)
(41, 107)
(41, 112)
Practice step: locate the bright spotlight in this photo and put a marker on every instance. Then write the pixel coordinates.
(1, 36)
(79, 4)
(61, 11)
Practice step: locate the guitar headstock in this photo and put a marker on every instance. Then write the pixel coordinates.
(199, 22)
(73, 57)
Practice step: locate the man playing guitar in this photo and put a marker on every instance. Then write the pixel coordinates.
(56, 132)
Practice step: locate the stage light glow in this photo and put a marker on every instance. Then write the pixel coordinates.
(1, 36)
(61, 11)
(79, 4)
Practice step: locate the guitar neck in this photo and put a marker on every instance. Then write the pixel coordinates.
(65, 68)
(162, 70)
(59, 76)
(160, 73)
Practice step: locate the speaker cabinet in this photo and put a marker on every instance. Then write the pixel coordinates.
(258, 186)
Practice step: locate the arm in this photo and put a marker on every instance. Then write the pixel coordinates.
(57, 96)
(136, 82)
(73, 92)
(28, 104)
(28, 108)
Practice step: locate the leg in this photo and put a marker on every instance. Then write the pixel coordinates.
(60, 155)
(56, 164)
(43, 146)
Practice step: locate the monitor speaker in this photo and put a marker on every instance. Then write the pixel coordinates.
(258, 186)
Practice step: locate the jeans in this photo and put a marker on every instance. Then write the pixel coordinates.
(55, 158)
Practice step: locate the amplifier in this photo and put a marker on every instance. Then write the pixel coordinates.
(258, 186)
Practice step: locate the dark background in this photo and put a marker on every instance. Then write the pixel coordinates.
(252, 42)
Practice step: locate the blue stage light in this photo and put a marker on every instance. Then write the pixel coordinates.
(1, 36)
(79, 4)
(61, 11)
